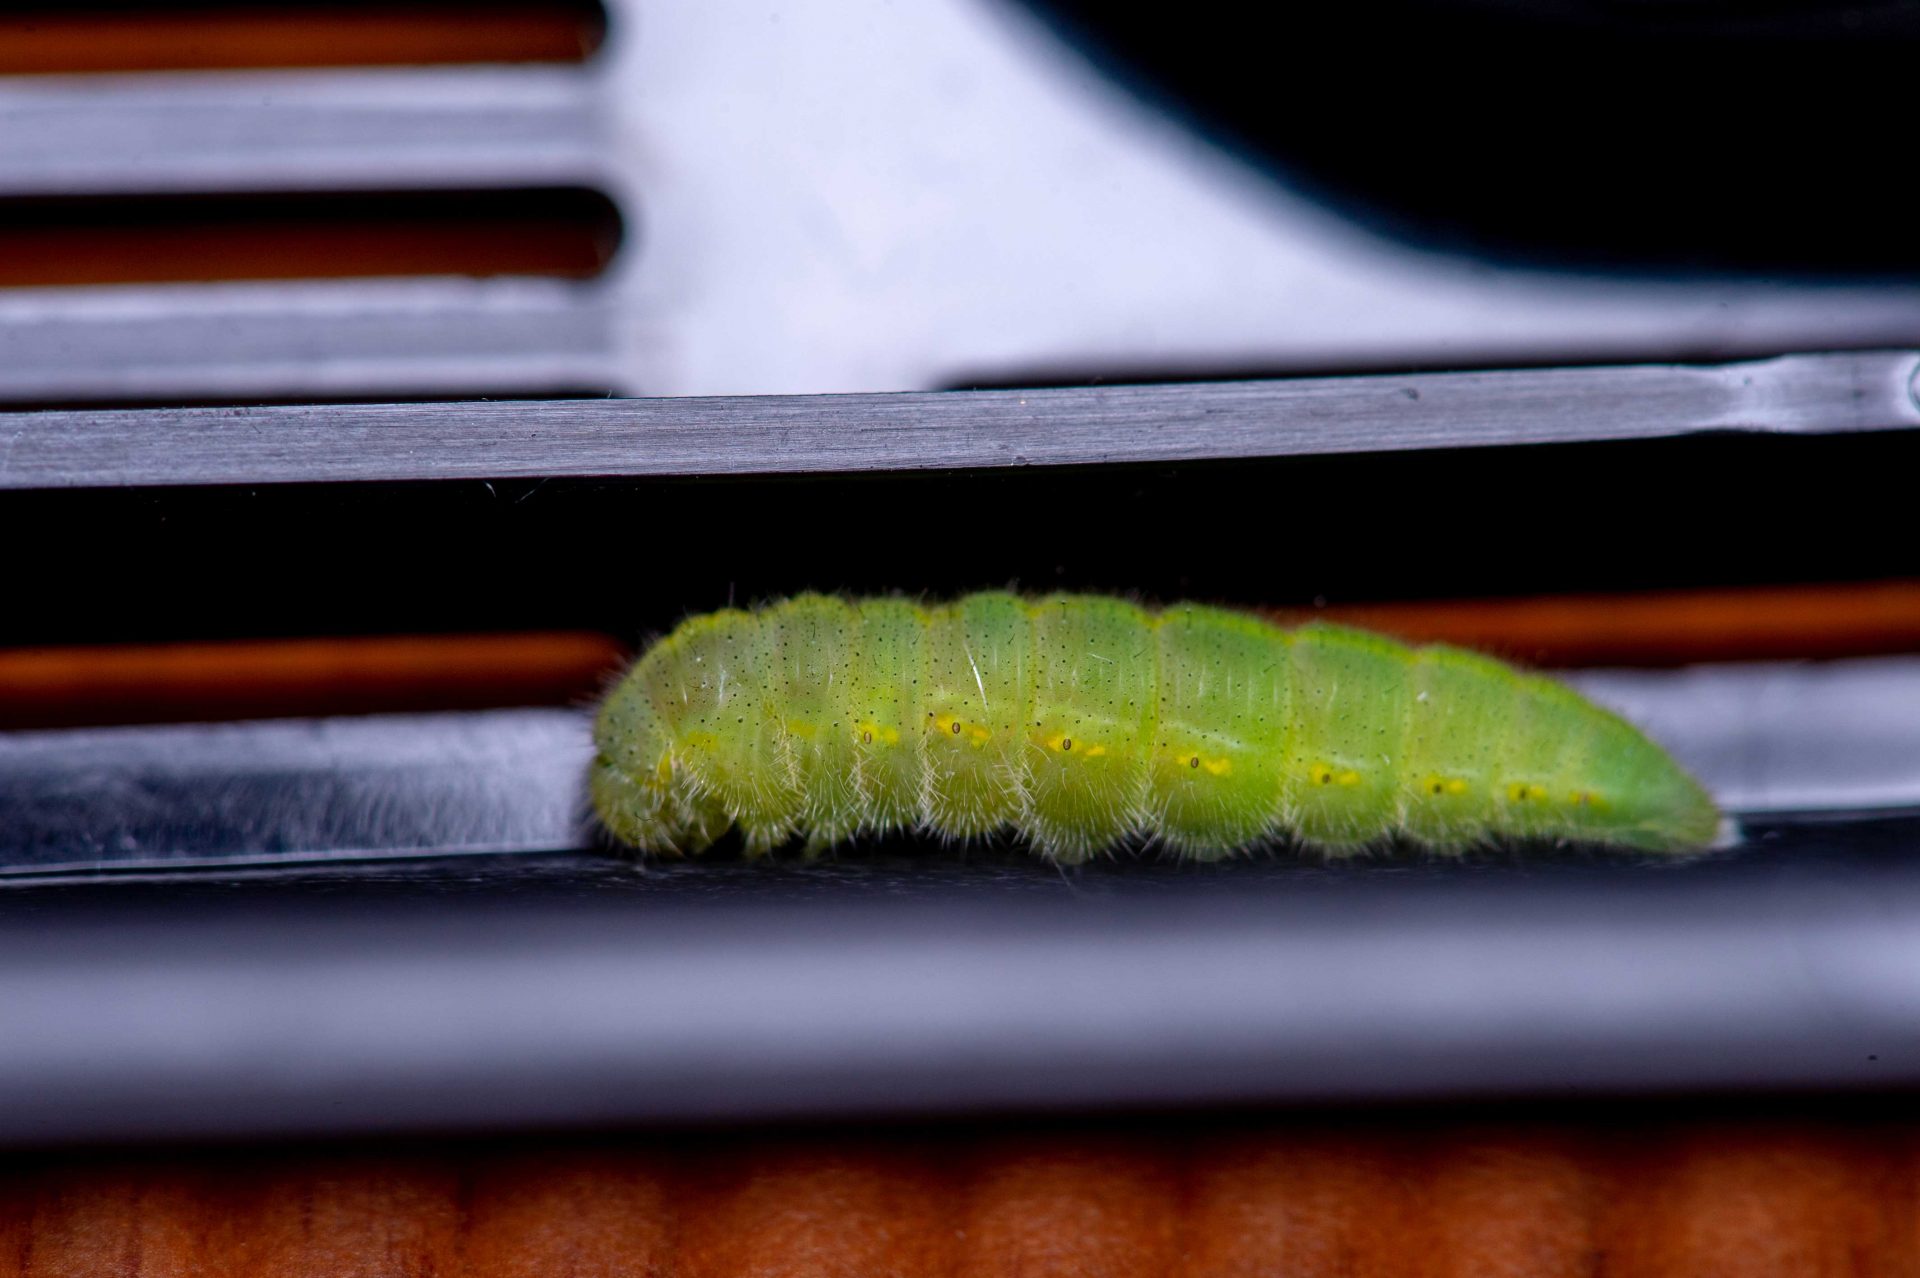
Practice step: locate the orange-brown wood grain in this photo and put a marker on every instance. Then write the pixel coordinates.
(69, 686)
(1320, 1205)
(1044, 1205)
(1665, 628)
(1790, 1198)
(1219, 1198)
(50, 38)
(579, 1213)
(816, 1209)
(1509, 1204)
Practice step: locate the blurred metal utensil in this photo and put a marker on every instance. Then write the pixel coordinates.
(739, 993)
(881, 197)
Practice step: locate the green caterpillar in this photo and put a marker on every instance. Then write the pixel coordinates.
(1085, 721)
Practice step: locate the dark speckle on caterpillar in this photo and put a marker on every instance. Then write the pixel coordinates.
(1082, 722)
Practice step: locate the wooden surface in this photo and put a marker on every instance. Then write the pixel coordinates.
(1758, 1196)
(207, 682)
(51, 37)
(1664, 628)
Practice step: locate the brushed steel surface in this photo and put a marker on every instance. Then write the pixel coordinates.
(885, 197)
(309, 789)
(954, 429)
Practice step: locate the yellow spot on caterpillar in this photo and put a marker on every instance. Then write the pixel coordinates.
(1094, 752)
(1438, 785)
(1525, 792)
(1587, 799)
(1322, 773)
(870, 732)
(979, 735)
(1456, 786)
(1215, 767)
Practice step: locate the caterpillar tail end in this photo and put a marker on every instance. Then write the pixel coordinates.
(1683, 821)
(1700, 825)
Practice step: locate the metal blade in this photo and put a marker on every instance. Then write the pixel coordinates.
(316, 789)
(952, 430)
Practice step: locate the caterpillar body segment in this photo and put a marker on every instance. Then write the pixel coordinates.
(1085, 721)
